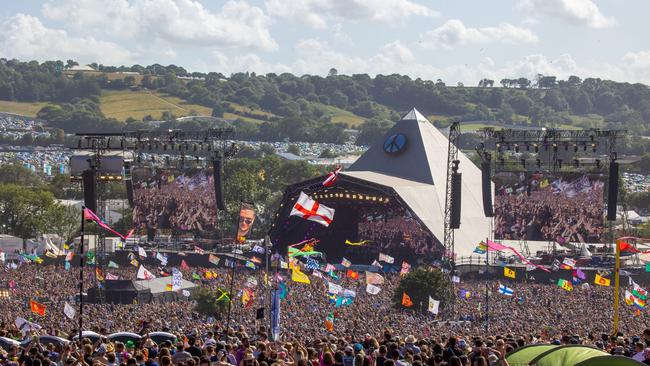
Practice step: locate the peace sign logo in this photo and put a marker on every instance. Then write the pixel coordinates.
(395, 143)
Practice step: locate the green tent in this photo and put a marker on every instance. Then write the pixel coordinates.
(566, 355)
(523, 355)
(610, 361)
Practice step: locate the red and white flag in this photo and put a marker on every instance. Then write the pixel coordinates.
(331, 177)
(111, 277)
(198, 250)
(308, 209)
(144, 274)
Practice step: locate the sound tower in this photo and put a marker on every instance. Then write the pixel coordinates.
(486, 180)
(129, 191)
(612, 191)
(90, 198)
(218, 188)
(456, 179)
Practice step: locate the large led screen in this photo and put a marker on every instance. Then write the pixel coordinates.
(549, 207)
(174, 201)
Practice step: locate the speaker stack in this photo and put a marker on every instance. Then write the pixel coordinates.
(456, 188)
(486, 180)
(612, 191)
(90, 198)
(217, 172)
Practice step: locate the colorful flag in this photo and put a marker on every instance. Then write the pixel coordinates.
(639, 303)
(374, 278)
(434, 305)
(89, 215)
(647, 267)
(162, 258)
(329, 267)
(99, 274)
(69, 311)
(329, 322)
(308, 209)
(112, 264)
(196, 276)
(405, 268)
(372, 289)
(334, 288)
(481, 248)
(358, 243)
(298, 276)
(580, 274)
(111, 277)
(169, 287)
(333, 275)
(247, 297)
(346, 263)
(37, 308)
(639, 291)
(135, 262)
(69, 256)
(406, 300)
(386, 258)
(331, 177)
(352, 274)
(250, 265)
(509, 272)
(49, 254)
(505, 290)
(144, 274)
(565, 284)
(213, 259)
(177, 279)
(312, 264)
(568, 263)
(602, 281)
(464, 294)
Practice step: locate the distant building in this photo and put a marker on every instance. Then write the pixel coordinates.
(289, 156)
(81, 68)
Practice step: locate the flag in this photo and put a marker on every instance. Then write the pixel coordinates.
(629, 298)
(89, 215)
(184, 264)
(308, 209)
(141, 252)
(144, 274)
(312, 264)
(346, 263)
(177, 279)
(333, 275)
(481, 248)
(250, 265)
(530, 267)
(568, 263)
(372, 289)
(455, 279)
(69, 257)
(186, 293)
(375, 263)
(329, 267)
(406, 300)
(198, 250)
(374, 278)
(284, 265)
(329, 322)
(434, 305)
(112, 264)
(47, 254)
(111, 277)
(99, 274)
(386, 258)
(405, 268)
(602, 281)
(195, 276)
(465, 294)
(358, 243)
(509, 272)
(69, 311)
(504, 290)
(162, 258)
(67, 265)
(580, 274)
(135, 262)
(247, 298)
(316, 273)
(169, 287)
(352, 274)
(556, 265)
(499, 247)
(647, 267)
(565, 284)
(258, 249)
(639, 303)
(349, 293)
(331, 177)
(25, 326)
(298, 276)
(334, 288)
(275, 315)
(639, 291)
(37, 308)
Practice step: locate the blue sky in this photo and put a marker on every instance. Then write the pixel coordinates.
(456, 41)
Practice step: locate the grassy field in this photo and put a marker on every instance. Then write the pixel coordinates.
(340, 115)
(246, 109)
(228, 115)
(21, 108)
(138, 104)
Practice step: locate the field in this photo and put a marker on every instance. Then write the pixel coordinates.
(21, 108)
(340, 115)
(138, 104)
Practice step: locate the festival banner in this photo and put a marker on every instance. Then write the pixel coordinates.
(37, 308)
(602, 281)
(406, 300)
(144, 274)
(434, 305)
(177, 279)
(69, 311)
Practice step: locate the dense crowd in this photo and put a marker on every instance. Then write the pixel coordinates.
(371, 327)
(164, 202)
(534, 208)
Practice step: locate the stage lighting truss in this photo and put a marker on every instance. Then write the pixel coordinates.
(4, 293)
(549, 150)
(350, 196)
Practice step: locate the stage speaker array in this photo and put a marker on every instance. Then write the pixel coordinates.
(129, 191)
(217, 172)
(612, 192)
(486, 180)
(456, 187)
(90, 198)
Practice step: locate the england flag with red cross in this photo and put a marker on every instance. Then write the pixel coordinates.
(309, 209)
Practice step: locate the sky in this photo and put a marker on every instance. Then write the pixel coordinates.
(455, 40)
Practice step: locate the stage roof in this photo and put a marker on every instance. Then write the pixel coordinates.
(418, 174)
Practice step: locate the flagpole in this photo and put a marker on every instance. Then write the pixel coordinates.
(268, 278)
(617, 268)
(81, 274)
(232, 273)
(487, 298)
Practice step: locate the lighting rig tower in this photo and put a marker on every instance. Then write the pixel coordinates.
(452, 168)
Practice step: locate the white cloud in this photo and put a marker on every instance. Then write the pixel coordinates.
(185, 22)
(317, 13)
(25, 37)
(454, 33)
(579, 12)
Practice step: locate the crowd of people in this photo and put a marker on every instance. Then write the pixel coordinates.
(176, 201)
(534, 207)
(535, 313)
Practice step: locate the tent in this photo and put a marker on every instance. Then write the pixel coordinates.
(610, 361)
(566, 355)
(523, 355)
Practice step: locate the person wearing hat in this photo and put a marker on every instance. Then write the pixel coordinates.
(248, 360)
(409, 345)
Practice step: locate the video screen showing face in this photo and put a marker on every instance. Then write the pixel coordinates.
(246, 220)
(549, 207)
(170, 199)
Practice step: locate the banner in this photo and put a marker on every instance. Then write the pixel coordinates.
(374, 278)
(177, 279)
(246, 220)
(434, 305)
(69, 311)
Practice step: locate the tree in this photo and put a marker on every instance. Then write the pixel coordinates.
(294, 149)
(327, 154)
(71, 63)
(333, 72)
(24, 210)
(217, 110)
(19, 175)
(63, 221)
(422, 283)
(521, 104)
(211, 303)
